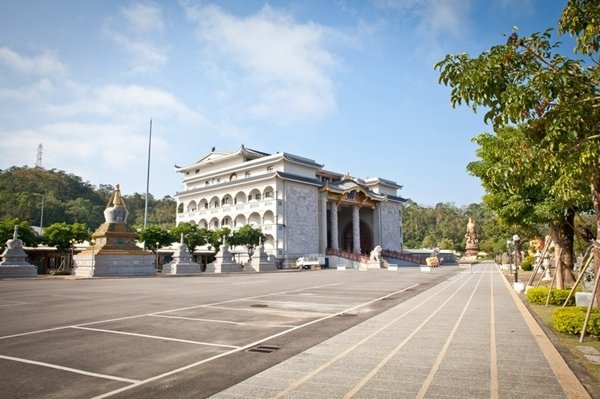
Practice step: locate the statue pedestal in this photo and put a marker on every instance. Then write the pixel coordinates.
(373, 264)
(260, 262)
(14, 260)
(88, 264)
(182, 262)
(224, 262)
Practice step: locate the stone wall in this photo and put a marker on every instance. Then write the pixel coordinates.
(391, 226)
(302, 226)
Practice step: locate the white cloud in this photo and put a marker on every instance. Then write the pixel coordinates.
(435, 18)
(124, 102)
(45, 64)
(28, 93)
(285, 66)
(144, 17)
(137, 30)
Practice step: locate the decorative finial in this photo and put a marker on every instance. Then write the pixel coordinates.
(15, 232)
(181, 238)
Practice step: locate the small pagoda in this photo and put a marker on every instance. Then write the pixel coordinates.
(114, 250)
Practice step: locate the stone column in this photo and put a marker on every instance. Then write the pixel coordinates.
(334, 226)
(323, 223)
(356, 229)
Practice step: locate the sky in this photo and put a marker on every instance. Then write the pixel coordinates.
(349, 84)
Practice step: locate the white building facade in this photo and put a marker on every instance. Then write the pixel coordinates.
(300, 207)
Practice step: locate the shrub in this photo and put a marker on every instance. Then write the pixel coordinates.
(557, 297)
(537, 295)
(527, 264)
(570, 320)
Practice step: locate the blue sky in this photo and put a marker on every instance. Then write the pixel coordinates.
(349, 84)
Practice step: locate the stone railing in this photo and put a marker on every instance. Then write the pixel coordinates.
(413, 258)
(348, 255)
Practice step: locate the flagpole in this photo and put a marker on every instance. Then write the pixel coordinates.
(148, 176)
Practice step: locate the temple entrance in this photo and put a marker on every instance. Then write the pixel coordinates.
(366, 238)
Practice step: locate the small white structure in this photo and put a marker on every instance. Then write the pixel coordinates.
(260, 261)
(182, 262)
(224, 262)
(14, 263)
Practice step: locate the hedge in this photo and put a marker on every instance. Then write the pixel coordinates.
(538, 296)
(570, 320)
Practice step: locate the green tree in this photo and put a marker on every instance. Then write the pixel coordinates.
(155, 237)
(63, 236)
(247, 236)
(192, 235)
(555, 99)
(25, 233)
(518, 188)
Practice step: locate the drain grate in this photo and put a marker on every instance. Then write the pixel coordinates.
(264, 348)
(347, 314)
(259, 305)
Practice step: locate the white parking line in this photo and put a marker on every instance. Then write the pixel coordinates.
(69, 369)
(223, 321)
(250, 345)
(155, 337)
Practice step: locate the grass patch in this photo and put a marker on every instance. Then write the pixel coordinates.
(570, 342)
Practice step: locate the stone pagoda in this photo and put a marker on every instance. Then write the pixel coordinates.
(182, 262)
(259, 262)
(114, 251)
(14, 260)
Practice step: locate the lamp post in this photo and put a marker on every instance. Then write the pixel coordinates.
(157, 244)
(72, 242)
(517, 244)
(93, 242)
(42, 212)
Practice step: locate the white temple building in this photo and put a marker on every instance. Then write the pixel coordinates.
(300, 207)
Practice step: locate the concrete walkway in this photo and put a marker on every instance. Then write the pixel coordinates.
(468, 337)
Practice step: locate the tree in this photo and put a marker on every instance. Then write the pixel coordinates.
(25, 233)
(555, 99)
(192, 235)
(518, 188)
(155, 237)
(63, 236)
(247, 236)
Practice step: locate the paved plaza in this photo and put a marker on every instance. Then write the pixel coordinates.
(451, 333)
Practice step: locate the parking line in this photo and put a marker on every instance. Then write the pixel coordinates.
(155, 337)
(250, 345)
(222, 321)
(72, 370)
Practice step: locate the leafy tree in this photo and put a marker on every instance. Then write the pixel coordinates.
(155, 237)
(63, 235)
(247, 236)
(518, 189)
(555, 99)
(428, 242)
(192, 235)
(25, 233)
(446, 243)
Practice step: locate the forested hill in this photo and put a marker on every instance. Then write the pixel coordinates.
(67, 198)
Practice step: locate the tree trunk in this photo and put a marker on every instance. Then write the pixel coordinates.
(563, 234)
(595, 179)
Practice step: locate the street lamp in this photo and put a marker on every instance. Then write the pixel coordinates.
(93, 242)
(157, 244)
(516, 242)
(42, 213)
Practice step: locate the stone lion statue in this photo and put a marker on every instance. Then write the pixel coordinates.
(376, 254)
